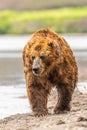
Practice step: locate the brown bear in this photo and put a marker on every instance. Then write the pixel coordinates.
(48, 62)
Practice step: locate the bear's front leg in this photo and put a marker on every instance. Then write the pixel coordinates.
(64, 98)
(38, 100)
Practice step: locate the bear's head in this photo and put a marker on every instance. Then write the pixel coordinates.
(43, 55)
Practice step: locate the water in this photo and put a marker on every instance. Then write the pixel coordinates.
(12, 46)
(12, 84)
(82, 87)
(12, 43)
(13, 100)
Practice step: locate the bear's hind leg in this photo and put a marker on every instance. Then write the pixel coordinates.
(64, 98)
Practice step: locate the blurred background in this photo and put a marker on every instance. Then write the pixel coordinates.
(18, 20)
(24, 17)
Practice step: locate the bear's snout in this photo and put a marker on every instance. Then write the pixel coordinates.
(36, 67)
(36, 70)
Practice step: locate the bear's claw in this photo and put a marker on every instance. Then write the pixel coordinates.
(40, 114)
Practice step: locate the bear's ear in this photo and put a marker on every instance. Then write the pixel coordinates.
(57, 52)
(55, 46)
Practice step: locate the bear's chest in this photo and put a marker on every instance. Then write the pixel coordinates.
(53, 77)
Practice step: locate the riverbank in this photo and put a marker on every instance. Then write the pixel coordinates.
(76, 119)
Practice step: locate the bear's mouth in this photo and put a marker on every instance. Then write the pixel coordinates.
(36, 71)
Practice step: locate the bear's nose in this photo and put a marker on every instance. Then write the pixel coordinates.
(36, 70)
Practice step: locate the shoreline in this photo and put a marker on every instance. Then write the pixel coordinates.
(17, 96)
(76, 119)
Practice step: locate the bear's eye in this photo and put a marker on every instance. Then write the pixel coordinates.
(33, 57)
(42, 57)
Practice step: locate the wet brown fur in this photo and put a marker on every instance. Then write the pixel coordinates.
(60, 70)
